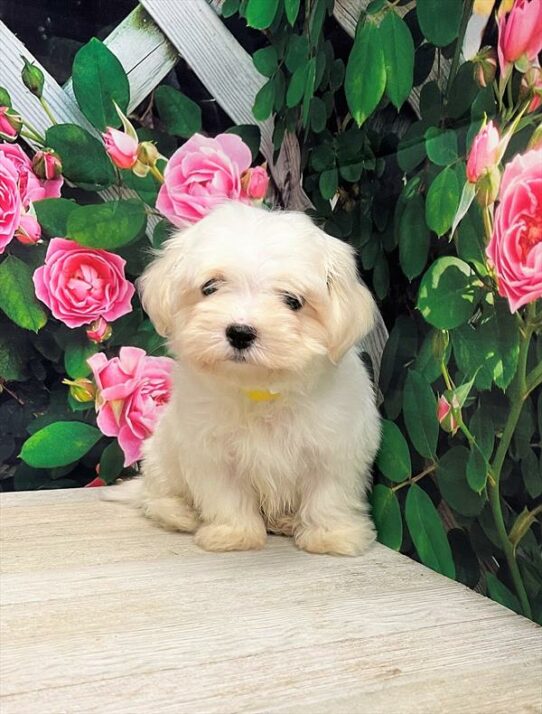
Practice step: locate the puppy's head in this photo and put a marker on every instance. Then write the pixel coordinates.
(256, 296)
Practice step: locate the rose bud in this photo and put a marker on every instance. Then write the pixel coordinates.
(99, 331)
(254, 183)
(82, 390)
(531, 86)
(10, 124)
(520, 38)
(121, 147)
(485, 66)
(46, 164)
(29, 230)
(445, 414)
(485, 153)
(32, 77)
(535, 142)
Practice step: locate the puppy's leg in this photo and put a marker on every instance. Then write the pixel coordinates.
(230, 513)
(165, 497)
(333, 516)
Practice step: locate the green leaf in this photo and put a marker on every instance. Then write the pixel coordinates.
(263, 104)
(266, 60)
(466, 562)
(381, 277)
(308, 90)
(477, 470)
(59, 444)
(398, 48)
(230, 8)
(420, 412)
(250, 134)
(78, 350)
(387, 516)
(99, 81)
(411, 150)
(448, 293)
(441, 145)
(318, 115)
(365, 78)
(292, 10)
(107, 225)
(439, 20)
(52, 215)
(261, 13)
(328, 183)
(501, 594)
(531, 471)
(180, 115)
(442, 201)
(414, 237)
(297, 52)
(393, 458)
(72, 143)
(296, 87)
(161, 233)
(14, 354)
(490, 350)
(5, 99)
(452, 481)
(467, 197)
(17, 295)
(427, 532)
(111, 462)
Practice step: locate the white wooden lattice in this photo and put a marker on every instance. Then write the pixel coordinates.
(148, 44)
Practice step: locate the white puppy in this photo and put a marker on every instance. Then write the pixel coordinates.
(272, 425)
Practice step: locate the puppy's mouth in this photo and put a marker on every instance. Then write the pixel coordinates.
(239, 357)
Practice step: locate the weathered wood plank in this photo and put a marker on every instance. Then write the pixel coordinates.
(103, 612)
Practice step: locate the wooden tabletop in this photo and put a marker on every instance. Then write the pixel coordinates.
(104, 612)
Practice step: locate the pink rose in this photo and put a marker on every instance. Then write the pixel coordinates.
(486, 152)
(99, 331)
(121, 147)
(255, 182)
(29, 230)
(30, 186)
(515, 249)
(133, 389)
(10, 202)
(10, 124)
(201, 174)
(520, 33)
(81, 284)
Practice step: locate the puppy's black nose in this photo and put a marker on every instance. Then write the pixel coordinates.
(240, 336)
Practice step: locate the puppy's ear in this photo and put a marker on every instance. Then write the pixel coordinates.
(351, 313)
(157, 285)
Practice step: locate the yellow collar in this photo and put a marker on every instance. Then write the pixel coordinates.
(261, 395)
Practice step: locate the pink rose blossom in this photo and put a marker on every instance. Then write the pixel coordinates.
(201, 174)
(30, 186)
(133, 389)
(99, 331)
(255, 182)
(515, 249)
(121, 147)
(486, 152)
(29, 230)
(520, 33)
(10, 202)
(81, 284)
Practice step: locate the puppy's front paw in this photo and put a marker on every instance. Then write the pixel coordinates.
(221, 537)
(351, 539)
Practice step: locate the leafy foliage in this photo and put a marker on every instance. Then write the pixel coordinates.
(385, 122)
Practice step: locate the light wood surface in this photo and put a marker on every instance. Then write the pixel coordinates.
(103, 612)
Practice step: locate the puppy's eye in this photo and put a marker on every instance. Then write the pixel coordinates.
(210, 287)
(293, 302)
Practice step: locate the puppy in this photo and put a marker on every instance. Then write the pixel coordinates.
(272, 424)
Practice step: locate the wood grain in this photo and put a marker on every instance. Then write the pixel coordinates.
(103, 612)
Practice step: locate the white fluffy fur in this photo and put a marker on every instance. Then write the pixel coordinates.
(231, 469)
